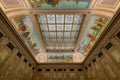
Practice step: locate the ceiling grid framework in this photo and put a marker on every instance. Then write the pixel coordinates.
(60, 31)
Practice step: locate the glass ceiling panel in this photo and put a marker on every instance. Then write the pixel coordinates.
(53, 34)
(67, 34)
(45, 34)
(72, 39)
(60, 18)
(53, 39)
(76, 27)
(60, 39)
(68, 18)
(52, 27)
(74, 34)
(60, 28)
(44, 27)
(51, 18)
(59, 34)
(68, 27)
(77, 18)
(42, 19)
(66, 39)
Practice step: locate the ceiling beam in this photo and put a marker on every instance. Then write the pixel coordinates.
(37, 28)
(82, 29)
(60, 11)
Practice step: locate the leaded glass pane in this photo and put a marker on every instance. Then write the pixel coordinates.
(60, 27)
(42, 19)
(51, 18)
(59, 34)
(44, 27)
(75, 27)
(77, 18)
(68, 27)
(52, 27)
(67, 34)
(60, 18)
(69, 19)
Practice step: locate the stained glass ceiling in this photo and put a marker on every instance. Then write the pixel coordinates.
(60, 31)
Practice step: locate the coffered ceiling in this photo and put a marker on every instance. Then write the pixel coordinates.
(60, 30)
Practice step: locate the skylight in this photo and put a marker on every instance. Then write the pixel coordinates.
(60, 29)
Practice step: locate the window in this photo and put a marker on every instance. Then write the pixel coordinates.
(25, 60)
(108, 46)
(71, 69)
(47, 69)
(100, 54)
(1, 35)
(59, 69)
(79, 69)
(10, 46)
(19, 54)
(33, 68)
(39, 70)
(30, 64)
(89, 64)
(118, 34)
(94, 60)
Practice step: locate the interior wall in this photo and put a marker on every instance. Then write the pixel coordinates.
(104, 64)
(58, 71)
(15, 63)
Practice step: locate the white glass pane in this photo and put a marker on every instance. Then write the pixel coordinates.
(67, 34)
(47, 40)
(72, 45)
(59, 34)
(66, 39)
(53, 34)
(51, 18)
(44, 27)
(42, 19)
(60, 39)
(45, 34)
(69, 19)
(65, 45)
(53, 45)
(48, 45)
(73, 39)
(52, 27)
(53, 39)
(68, 27)
(77, 19)
(74, 34)
(59, 27)
(59, 45)
(75, 27)
(60, 18)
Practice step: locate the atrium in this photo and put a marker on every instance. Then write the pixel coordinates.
(59, 39)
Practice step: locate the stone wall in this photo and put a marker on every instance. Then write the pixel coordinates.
(15, 62)
(104, 62)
